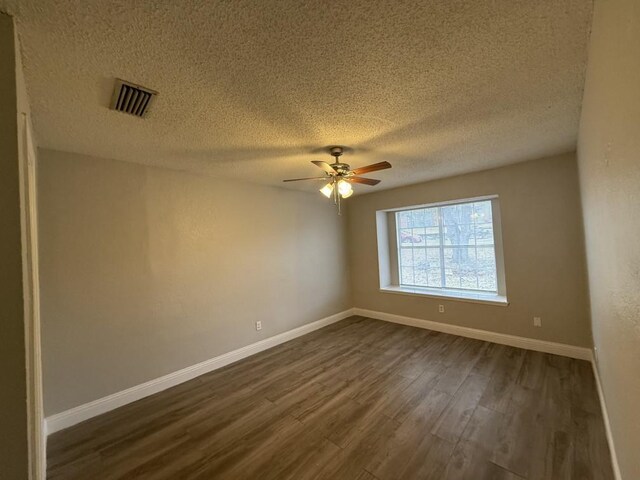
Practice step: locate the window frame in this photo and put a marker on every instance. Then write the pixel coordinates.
(389, 256)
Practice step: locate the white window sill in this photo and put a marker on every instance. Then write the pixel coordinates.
(459, 295)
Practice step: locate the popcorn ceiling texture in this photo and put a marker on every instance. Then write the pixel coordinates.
(252, 90)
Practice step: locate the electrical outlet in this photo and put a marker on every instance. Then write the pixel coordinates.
(441, 308)
(595, 354)
(537, 322)
(258, 325)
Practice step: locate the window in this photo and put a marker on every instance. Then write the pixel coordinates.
(451, 249)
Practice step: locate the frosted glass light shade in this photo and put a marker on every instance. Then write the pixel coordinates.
(344, 188)
(327, 190)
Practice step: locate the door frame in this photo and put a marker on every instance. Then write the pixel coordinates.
(37, 435)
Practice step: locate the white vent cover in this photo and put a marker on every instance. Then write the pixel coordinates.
(131, 98)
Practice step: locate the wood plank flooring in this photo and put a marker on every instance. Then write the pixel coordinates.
(361, 399)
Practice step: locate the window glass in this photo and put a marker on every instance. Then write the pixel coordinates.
(448, 247)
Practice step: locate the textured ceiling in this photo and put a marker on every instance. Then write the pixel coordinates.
(252, 89)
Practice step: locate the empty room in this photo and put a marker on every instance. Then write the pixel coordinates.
(345, 240)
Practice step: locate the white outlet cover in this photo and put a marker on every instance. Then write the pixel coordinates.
(537, 322)
(441, 308)
(258, 325)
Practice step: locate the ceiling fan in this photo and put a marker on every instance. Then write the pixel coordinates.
(340, 176)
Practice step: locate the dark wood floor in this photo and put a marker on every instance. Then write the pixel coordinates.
(360, 399)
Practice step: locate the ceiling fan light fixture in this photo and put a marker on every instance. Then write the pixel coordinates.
(340, 176)
(345, 189)
(327, 190)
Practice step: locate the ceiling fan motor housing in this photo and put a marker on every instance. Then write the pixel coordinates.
(341, 168)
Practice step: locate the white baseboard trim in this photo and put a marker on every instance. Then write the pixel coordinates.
(572, 351)
(607, 425)
(71, 417)
(92, 409)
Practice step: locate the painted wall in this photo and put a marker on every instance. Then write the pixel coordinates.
(609, 165)
(543, 251)
(145, 271)
(13, 388)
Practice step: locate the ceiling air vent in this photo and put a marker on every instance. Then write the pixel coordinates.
(132, 99)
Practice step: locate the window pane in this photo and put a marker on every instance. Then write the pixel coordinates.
(451, 280)
(431, 217)
(419, 258)
(432, 236)
(406, 275)
(458, 223)
(487, 279)
(420, 277)
(467, 215)
(450, 215)
(484, 234)
(403, 219)
(452, 277)
(418, 218)
(486, 256)
(434, 277)
(469, 280)
(406, 237)
(482, 211)
(433, 258)
(417, 236)
(406, 257)
(466, 258)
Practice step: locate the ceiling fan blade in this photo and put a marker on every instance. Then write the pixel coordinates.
(325, 166)
(372, 168)
(307, 178)
(366, 181)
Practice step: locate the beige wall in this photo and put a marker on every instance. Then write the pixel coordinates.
(543, 251)
(145, 271)
(609, 164)
(13, 388)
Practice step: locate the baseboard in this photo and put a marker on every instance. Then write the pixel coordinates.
(572, 351)
(607, 425)
(89, 410)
